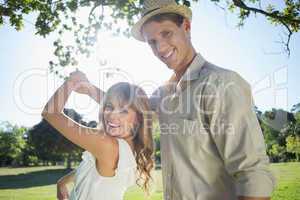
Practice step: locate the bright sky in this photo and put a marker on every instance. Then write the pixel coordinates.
(26, 84)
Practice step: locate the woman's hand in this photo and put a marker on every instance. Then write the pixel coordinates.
(80, 82)
(62, 191)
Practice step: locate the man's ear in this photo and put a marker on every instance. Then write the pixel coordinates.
(186, 25)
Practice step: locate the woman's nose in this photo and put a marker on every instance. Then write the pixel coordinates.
(114, 115)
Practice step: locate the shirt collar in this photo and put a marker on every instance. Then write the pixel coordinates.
(193, 70)
(192, 73)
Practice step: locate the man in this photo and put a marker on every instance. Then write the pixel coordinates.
(212, 146)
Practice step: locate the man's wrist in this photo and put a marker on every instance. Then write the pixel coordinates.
(70, 84)
(59, 183)
(94, 92)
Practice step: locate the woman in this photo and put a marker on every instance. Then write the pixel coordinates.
(120, 146)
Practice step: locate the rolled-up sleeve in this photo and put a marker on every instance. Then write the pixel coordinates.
(238, 137)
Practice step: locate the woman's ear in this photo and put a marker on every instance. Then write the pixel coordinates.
(135, 130)
(136, 125)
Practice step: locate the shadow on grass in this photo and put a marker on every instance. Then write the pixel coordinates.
(32, 179)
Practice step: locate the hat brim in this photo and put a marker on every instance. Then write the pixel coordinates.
(173, 8)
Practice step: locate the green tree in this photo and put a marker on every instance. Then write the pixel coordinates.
(293, 145)
(156, 138)
(54, 15)
(50, 146)
(277, 125)
(275, 143)
(277, 153)
(11, 144)
(293, 140)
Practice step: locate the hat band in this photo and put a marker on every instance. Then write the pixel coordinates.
(150, 11)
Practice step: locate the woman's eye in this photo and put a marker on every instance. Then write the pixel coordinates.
(124, 111)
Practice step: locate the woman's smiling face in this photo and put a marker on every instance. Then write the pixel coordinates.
(119, 120)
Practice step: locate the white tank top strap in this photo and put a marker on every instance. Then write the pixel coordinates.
(87, 156)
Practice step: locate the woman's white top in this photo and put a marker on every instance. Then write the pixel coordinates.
(90, 185)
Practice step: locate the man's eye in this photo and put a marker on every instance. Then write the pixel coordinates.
(167, 34)
(108, 108)
(151, 42)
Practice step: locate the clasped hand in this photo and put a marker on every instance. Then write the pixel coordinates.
(80, 82)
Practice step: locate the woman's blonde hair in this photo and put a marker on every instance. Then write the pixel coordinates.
(134, 97)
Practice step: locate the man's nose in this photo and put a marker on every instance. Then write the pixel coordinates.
(162, 47)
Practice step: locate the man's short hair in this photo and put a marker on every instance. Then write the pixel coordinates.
(175, 18)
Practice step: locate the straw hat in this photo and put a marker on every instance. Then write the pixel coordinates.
(155, 7)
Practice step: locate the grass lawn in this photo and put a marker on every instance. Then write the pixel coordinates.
(288, 181)
(36, 183)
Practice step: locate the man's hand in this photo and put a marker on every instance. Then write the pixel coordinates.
(254, 198)
(62, 191)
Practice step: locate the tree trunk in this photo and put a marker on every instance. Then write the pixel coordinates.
(69, 162)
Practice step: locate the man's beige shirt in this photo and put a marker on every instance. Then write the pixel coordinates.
(212, 147)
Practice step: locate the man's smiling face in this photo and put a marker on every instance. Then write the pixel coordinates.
(170, 42)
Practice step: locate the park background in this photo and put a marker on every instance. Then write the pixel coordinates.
(33, 155)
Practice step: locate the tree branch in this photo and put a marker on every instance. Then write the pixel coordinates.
(284, 20)
(274, 15)
(4, 11)
(97, 4)
(289, 35)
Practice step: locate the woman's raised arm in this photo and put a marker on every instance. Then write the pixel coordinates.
(91, 139)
